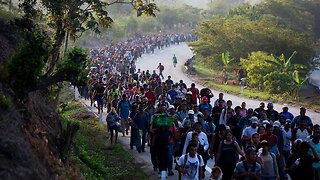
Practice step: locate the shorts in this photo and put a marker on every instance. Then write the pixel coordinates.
(99, 100)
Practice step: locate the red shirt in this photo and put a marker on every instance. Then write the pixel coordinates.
(195, 93)
(151, 96)
(272, 139)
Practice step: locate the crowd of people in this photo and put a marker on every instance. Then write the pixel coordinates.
(244, 143)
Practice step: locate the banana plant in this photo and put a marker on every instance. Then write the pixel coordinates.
(284, 64)
(226, 59)
(299, 82)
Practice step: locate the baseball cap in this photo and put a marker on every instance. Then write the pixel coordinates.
(171, 107)
(264, 142)
(288, 121)
(265, 122)
(204, 98)
(316, 135)
(285, 106)
(276, 124)
(270, 104)
(254, 119)
(250, 150)
(190, 112)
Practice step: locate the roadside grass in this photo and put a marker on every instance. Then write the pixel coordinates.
(204, 72)
(93, 157)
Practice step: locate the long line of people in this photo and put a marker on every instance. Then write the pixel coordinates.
(245, 143)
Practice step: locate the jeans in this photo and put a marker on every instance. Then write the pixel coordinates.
(141, 145)
(170, 156)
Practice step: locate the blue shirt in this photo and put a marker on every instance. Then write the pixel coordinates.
(124, 108)
(204, 106)
(141, 120)
(172, 93)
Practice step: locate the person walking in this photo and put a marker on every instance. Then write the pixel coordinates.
(190, 164)
(227, 155)
(174, 60)
(161, 69)
(140, 121)
(113, 124)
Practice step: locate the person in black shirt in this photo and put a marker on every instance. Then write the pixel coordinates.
(302, 166)
(98, 94)
(206, 92)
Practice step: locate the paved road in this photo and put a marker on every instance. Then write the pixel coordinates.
(183, 53)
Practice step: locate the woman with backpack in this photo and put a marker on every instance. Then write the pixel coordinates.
(113, 124)
(270, 167)
(227, 156)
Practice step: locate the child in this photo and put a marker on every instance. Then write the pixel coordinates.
(216, 173)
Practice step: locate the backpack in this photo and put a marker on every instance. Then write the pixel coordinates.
(186, 159)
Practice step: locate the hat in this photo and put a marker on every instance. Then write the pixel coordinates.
(285, 106)
(316, 135)
(264, 142)
(265, 122)
(288, 121)
(276, 124)
(205, 98)
(171, 107)
(254, 119)
(250, 150)
(190, 112)
(189, 92)
(270, 104)
(200, 114)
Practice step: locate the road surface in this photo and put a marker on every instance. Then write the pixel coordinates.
(183, 53)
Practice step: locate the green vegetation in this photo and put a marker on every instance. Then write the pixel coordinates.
(259, 39)
(93, 157)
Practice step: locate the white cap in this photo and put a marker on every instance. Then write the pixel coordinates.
(254, 119)
(190, 112)
(265, 122)
(276, 124)
(285, 106)
(171, 106)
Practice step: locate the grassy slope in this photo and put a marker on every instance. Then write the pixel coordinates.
(92, 156)
(203, 71)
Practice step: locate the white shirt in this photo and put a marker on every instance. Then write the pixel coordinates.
(203, 139)
(248, 131)
(192, 166)
(287, 140)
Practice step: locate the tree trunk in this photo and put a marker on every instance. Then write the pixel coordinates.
(55, 53)
(69, 137)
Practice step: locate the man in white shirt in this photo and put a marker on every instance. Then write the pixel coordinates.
(203, 139)
(190, 165)
(248, 131)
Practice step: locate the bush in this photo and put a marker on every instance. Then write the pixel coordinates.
(257, 68)
(277, 82)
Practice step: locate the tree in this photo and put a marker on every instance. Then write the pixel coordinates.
(241, 36)
(72, 18)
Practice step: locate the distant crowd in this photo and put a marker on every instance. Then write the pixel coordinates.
(261, 143)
